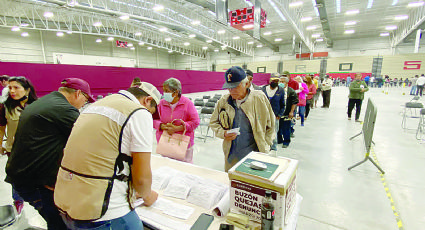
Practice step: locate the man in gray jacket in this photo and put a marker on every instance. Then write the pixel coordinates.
(243, 118)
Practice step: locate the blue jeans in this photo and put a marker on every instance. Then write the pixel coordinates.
(286, 131)
(413, 90)
(301, 112)
(131, 221)
(41, 199)
(277, 127)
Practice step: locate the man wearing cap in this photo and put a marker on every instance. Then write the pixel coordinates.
(106, 162)
(42, 132)
(250, 76)
(243, 118)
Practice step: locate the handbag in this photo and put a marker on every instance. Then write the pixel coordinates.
(173, 146)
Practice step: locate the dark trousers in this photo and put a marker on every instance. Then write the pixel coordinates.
(419, 90)
(351, 103)
(326, 98)
(308, 106)
(41, 199)
(285, 130)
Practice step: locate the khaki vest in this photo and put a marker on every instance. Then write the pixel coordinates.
(92, 158)
(12, 125)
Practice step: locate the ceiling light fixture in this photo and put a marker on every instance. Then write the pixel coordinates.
(223, 47)
(163, 29)
(221, 31)
(97, 24)
(130, 44)
(306, 19)
(149, 48)
(349, 32)
(110, 38)
(350, 23)
(24, 24)
(267, 33)
(15, 28)
(250, 43)
(236, 37)
(316, 11)
(271, 2)
(138, 34)
(186, 43)
(25, 34)
(196, 22)
(352, 12)
(401, 17)
(141, 43)
(250, 26)
(311, 27)
(170, 51)
(124, 17)
(319, 40)
(391, 27)
(48, 14)
(216, 50)
(192, 35)
(98, 40)
(158, 7)
(338, 6)
(209, 41)
(415, 4)
(69, 32)
(278, 39)
(167, 39)
(369, 4)
(205, 48)
(315, 35)
(132, 48)
(385, 34)
(59, 34)
(259, 46)
(296, 4)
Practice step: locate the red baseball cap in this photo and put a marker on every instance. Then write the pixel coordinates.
(78, 84)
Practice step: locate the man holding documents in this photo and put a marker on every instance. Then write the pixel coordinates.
(243, 118)
(106, 162)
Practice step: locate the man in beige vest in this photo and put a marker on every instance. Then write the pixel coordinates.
(106, 162)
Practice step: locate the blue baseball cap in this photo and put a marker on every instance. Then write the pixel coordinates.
(233, 76)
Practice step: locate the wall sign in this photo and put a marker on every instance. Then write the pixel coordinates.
(408, 65)
(345, 66)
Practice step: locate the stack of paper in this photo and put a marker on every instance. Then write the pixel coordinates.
(180, 184)
(206, 193)
(161, 176)
(173, 209)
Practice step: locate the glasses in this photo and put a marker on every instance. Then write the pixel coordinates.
(86, 96)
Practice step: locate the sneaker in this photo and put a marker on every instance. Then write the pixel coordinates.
(302, 124)
(285, 146)
(357, 120)
(349, 118)
(19, 205)
(292, 135)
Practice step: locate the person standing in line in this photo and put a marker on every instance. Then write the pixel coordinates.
(302, 95)
(372, 81)
(413, 89)
(356, 96)
(175, 106)
(285, 123)
(276, 96)
(107, 162)
(318, 90)
(250, 111)
(420, 83)
(367, 79)
(311, 93)
(4, 80)
(43, 130)
(250, 76)
(326, 91)
(348, 81)
(136, 82)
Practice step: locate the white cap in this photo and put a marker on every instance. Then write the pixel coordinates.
(151, 90)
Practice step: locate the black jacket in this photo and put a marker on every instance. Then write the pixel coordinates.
(291, 100)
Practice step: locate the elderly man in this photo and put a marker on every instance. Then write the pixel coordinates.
(246, 110)
(356, 96)
(250, 76)
(326, 91)
(291, 100)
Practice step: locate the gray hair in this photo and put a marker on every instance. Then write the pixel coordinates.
(244, 81)
(174, 85)
(275, 75)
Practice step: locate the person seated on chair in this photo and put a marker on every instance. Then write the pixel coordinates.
(175, 106)
(250, 111)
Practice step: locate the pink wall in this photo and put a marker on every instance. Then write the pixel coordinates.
(336, 75)
(102, 79)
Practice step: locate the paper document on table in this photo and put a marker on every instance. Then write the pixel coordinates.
(173, 209)
(222, 208)
(160, 220)
(206, 193)
(179, 186)
(161, 176)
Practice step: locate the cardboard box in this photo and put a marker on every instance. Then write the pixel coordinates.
(248, 188)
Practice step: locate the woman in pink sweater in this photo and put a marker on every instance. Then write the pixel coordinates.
(302, 93)
(176, 106)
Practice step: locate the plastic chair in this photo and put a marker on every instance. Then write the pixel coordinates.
(199, 103)
(213, 100)
(210, 104)
(7, 216)
(409, 107)
(206, 97)
(218, 96)
(205, 116)
(421, 126)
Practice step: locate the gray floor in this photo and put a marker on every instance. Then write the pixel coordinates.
(335, 198)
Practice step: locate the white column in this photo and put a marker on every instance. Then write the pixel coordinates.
(418, 40)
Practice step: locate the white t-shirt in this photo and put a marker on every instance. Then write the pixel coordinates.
(4, 94)
(137, 137)
(271, 92)
(420, 81)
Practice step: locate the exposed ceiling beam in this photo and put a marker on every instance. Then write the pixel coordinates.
(416, 18)
(320, 4)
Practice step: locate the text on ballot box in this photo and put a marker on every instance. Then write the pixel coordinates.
(247, 188)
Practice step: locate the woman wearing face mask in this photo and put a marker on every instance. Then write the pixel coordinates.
(176, 106)
(21, 94)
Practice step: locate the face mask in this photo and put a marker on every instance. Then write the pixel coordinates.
(273, 84)
(282, 85)
(168, 97)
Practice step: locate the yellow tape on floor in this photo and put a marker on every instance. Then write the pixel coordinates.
(388, 192)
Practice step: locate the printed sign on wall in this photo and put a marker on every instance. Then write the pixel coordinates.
(412, 65)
